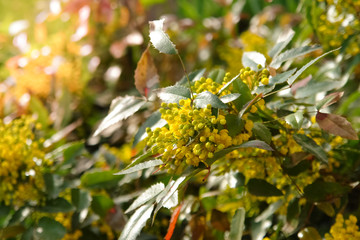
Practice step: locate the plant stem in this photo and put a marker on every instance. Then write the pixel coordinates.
(187, 76)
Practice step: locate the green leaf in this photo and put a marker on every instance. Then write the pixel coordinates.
(150, 194)
(120, 109)
(249, 144)
(159, 39)
(293, 210)
(228, 84)
(193, 76)
(101, 204)
(298, 168)
(321, 191)
(174, 94)
(243, 89)
(205, 98)
(309, 145)
(11, 232)
(80, 198)
(309, 233)
(262, 132)
(230, 97)
(234, 124)
(136, 222)
(260, 187)
(49, 229)
(273, 81)
(142, 158)
(56, 205)
(237, 225)
(281, 43)
(252, 60)
(315, 87)
(329, 99)
(98, 180)
(153, 122)
(326, 208)
(37, 107)
(140, 166)
(295, 120)
(73, 150)
(217, 75)
(301, 70)
(337, 125)
(292, 53)
(269, 211)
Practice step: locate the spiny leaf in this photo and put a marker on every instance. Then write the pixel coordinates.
(260, 187)
(136, 222)
(292, 53)
(153, 122)
(298, 73)
(237, 224)
(160, 39)
(230, 97)
(329, 99)
(205, 98)
(146, 75)
(310, 146)
(146, 196)
(262, 132)
(141, 158)
(140, 166)
(336, 125)
(252, 60)
(281, 43)
(174, 94)
(120, 109)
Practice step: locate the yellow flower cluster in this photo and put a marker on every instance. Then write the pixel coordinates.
(65, 220)
(338, 23)
(21, 161)
(252, 78)
(193, 135)
(344, 230)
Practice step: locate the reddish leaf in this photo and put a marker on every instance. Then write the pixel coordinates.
(173, 220)
(145, 74)
(336, 125)
(300, 84)
(329, 99)
(198, 227)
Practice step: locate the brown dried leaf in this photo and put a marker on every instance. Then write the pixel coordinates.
(329, 99)
(146, 73)
(336, 125)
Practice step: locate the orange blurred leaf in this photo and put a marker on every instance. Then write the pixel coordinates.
(336, 125)
(173, 220)
(146, 73)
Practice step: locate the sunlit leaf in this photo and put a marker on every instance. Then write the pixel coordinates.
(146, 196)
(329, 99)
(292, 53)
(295, 119)
(136, 222)
(303, 68)
(228, 84)
(160, 39)
(230, 97)
(205, 98)
(281, 43)
(315, 87)
(140, 166)
(309, 145)
(146, 75)
(252, 60)
(174, 94)
(100, 179)
(270, 210)
(336, 125)
(237, 224)
(260, 187)
(120, 109)
(326, 208)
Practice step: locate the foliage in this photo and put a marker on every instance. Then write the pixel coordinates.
(221, 120)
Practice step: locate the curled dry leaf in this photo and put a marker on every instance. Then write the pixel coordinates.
(146, 75)
(336, 125)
